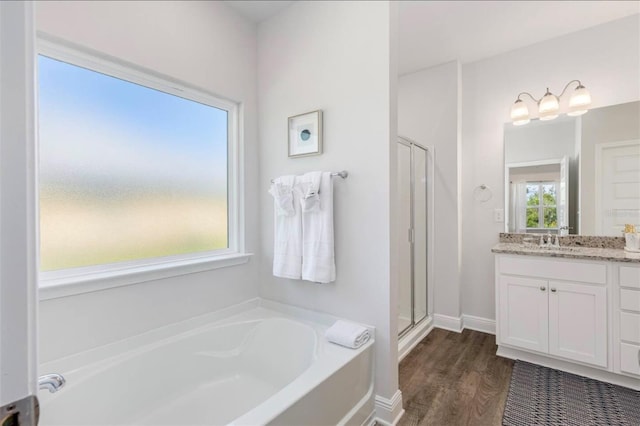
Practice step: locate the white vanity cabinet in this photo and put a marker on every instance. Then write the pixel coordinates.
(577, 314)
(627, 341)
(554, 307)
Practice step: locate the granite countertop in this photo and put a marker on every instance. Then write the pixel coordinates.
(571, 252)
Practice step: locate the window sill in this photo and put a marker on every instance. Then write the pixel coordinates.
(54, 288)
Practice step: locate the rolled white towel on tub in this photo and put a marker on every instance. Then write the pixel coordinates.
(348, 334)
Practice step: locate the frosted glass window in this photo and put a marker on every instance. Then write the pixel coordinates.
(126, 172)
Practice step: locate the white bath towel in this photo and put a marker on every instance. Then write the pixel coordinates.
(308, 187)
(347, 334)
(318, 263)
(283, 197)
(287, 250)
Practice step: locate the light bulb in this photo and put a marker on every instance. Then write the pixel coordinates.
(579, 102)
(519, 113)
(548, 107)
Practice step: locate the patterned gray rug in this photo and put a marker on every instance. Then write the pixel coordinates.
(543, 396)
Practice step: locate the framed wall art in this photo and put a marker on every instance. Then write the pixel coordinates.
(305, 134)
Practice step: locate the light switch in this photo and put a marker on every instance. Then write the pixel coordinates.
(498, 215)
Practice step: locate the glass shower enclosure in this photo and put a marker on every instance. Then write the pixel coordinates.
(412, 222)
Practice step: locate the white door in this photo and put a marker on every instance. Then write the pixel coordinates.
(578, 322)
(524, 314)
(18, 248)
(617, 186)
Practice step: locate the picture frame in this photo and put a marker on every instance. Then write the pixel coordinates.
(305, 134)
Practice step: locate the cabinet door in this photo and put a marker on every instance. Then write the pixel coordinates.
(578, 322)
(629, 358)
(524, 313)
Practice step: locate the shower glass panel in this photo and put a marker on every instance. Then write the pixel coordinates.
(404, 223)
(412, 231)
(420, 233)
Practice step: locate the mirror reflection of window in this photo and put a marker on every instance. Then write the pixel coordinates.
(535, 202)
(542, 211)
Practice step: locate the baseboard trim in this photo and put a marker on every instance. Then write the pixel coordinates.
(448, 323)
(389, 411)
(410, 340)
(457, 324)
(484, 325)
(413, 337)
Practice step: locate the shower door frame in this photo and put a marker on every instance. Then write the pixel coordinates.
(429, 161)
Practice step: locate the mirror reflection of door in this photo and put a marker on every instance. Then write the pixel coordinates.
(618, 186)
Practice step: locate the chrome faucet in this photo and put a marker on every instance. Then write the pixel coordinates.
(564, 230)
(51, 382)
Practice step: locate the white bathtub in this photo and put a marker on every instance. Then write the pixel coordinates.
(259, 366)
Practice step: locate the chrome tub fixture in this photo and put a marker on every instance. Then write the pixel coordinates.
(51, 382)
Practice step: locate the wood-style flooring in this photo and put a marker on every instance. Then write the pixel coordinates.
(454, 379)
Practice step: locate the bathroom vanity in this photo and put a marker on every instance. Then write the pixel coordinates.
(571, 308)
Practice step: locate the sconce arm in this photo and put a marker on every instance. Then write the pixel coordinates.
(567, 86)
(529, 95)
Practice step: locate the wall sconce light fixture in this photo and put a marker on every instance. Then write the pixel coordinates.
(549, 104)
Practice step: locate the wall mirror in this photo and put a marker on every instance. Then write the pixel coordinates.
(574, 175)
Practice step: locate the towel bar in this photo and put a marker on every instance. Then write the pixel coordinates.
(343, 174)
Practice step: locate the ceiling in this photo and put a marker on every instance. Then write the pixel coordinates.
(435, 32)
(258, 11)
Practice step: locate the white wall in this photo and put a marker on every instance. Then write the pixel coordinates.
(428, 111)
(201, 43)
(335, 56)
(604, 58)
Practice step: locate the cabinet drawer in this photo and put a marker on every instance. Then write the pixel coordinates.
(629, 358)
(629, 277)
(630, 300)
(630, 327)
(554, 269)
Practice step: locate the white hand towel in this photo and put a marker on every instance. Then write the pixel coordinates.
(287, 250)
(347, 334)
(318, 262)
(283, 197)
